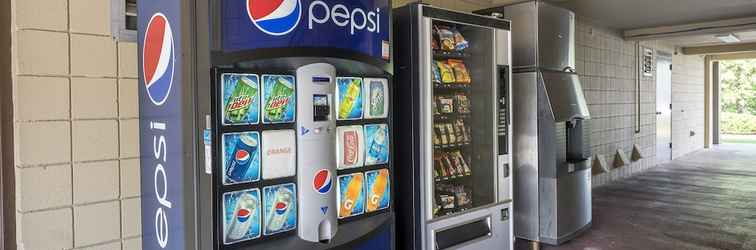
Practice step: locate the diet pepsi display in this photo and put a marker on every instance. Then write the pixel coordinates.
(241, 159)
(279, 102)
(280, 208)
(241, 220)
(241, 98)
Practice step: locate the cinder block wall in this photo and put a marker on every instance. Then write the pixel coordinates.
(76, 129)
(607, 66)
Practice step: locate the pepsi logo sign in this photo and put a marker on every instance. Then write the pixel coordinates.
(322, 181)
(275, 17)
(279, 17)
(158, 60)
(243, 215)
(281, 207)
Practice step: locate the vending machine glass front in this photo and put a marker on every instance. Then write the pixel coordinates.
(463, 117)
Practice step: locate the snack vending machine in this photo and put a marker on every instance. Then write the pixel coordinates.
(453, 130)
(267, 124)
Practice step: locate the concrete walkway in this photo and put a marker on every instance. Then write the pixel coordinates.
(705, 200)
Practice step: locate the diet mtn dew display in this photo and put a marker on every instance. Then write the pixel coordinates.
(241, 103)
(241, 220)
(349, 103)
(376, 98)
(279, 102)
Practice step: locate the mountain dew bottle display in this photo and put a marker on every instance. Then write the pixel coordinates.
(240, 99)
(279, 99)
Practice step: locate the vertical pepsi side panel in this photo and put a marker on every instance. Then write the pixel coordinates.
(161, 125)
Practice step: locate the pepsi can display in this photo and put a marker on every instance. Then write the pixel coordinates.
(241, 160)
(280, 208)
(376, 144)
(241, 219)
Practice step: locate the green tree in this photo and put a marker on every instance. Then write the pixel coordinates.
(738, 86)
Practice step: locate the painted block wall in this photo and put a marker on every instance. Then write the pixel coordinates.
(76, 128)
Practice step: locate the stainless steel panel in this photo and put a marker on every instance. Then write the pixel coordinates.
(556, 37)
(573, 202)
(565, 95)
(525, 154)
(663, 110)
(500, 237)
(525, 25)
(426, 121)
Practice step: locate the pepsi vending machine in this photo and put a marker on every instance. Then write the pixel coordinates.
(266, 124)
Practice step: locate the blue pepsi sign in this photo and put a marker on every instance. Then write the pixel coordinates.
(361, 26)
(161, 133)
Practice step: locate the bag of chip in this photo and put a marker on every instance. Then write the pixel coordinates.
(460, 43)
(446, 71)
(461, 75)
(445, 104)
(446, 38)
(462, 103)
(436, 73)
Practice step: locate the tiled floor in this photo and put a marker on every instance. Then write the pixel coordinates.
(705, 200)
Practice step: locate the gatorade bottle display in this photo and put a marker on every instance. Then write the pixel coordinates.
(378, 190)
(351, 195)
(241, 216)
(349, 92)
(240, 99)
(241, 159)
(280, 208)
(278, 98)
(376, 144)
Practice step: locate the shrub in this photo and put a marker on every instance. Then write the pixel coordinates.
(734, 123)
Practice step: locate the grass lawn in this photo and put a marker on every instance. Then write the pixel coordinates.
(749, 139)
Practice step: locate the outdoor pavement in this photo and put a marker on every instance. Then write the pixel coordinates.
(704, 200)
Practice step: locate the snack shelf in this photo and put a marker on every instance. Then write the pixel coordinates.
(452, 178)
(444, 212)
(451, 86)
(442, 54)
(452, 145)
(450, 116)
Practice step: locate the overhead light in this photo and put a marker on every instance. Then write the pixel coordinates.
(728, 38)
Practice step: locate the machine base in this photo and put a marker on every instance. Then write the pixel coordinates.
(566, 238)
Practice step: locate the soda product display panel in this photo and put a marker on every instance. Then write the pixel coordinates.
(256, 132)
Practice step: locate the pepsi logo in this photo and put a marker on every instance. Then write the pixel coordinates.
(275, 17)
(281, 207)
(158, 59)
(243, 215)
(322, 181)
(241, 155)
